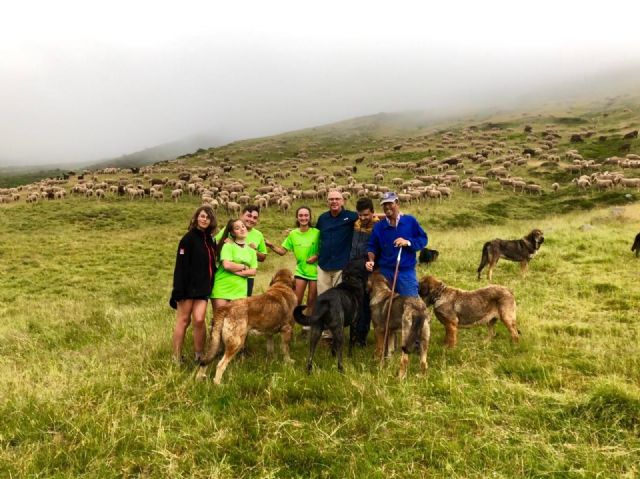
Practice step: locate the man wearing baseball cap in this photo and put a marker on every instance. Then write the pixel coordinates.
(397, 230)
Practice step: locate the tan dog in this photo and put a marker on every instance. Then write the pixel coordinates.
(408, 314)
(456, 308)
(522, 250)
(268, 313)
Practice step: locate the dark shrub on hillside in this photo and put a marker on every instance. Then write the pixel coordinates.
(576, 138)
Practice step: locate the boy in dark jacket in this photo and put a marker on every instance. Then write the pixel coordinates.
(362, 229)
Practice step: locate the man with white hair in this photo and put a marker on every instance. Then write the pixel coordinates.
(336, 233)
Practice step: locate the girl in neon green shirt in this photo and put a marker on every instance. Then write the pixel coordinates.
(237, 262)
(303, 241)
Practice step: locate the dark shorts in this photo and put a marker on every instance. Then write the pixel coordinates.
(304, 279)
(250, 282)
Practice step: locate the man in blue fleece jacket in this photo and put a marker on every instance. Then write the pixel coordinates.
(397, 230)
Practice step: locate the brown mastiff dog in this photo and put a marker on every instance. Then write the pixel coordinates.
(408, 315)
(522, 250)
(268, 313)
(456, 308)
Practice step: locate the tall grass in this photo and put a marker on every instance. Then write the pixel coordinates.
(87, 387)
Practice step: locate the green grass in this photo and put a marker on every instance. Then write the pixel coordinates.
(88, 388)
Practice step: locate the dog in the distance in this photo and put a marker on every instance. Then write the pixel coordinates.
(636, 245)
(522, 251)
(456, 308)
(336, 309)
(428, 256)
(408, 315)
(268, 313)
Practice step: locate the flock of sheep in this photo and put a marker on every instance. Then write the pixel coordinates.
(227, 178)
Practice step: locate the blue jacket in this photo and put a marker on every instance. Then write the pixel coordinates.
(383, 236)
(336, 234)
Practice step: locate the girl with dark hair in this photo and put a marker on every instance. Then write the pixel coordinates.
(193, 278)
(238, 261)
(303, 241)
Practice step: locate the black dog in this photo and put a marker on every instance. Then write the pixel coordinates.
(336, 309)
(636, 245)
(428, 256)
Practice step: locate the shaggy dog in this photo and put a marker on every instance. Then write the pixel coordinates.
(636, 245)
(456, 308)
(336, 309)
(428, 256)
(267, 313)
(522, 250)
(408, 314)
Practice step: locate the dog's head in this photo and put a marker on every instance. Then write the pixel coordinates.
(428, 256)
(536, 238)
(355, 274)
(430, 289)
(284, 276)
(378, 288)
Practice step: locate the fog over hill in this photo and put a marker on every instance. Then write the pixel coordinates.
(81, 83)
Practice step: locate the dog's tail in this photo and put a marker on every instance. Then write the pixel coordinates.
(301, 318)
(485, 257)
(417, 323)
(215, 339)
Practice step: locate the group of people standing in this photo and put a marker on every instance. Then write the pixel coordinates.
(223, 268)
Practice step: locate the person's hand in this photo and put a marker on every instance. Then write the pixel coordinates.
(228, 240)
(312, 259)
(369, 266)
(400, 242)
(253, 246)
(268, 243)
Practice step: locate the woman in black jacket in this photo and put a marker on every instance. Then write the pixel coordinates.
(193, 280)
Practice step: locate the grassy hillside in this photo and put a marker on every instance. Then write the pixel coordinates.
(88, 389)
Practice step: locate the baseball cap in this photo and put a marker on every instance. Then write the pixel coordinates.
(389, 197)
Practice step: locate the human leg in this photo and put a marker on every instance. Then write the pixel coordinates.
(183, 318)
(199, 326)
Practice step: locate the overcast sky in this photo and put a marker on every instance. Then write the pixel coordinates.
(85, 80)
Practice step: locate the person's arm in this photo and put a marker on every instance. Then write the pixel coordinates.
(275, 248)
(181, 270)
(372, 250)
(241, 269)
(416, 238)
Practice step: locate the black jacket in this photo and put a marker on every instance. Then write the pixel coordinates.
(195, 267)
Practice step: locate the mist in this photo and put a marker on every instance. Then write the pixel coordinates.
(79, 84)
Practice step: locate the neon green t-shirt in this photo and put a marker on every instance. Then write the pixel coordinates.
(304, 245)
(229, 285)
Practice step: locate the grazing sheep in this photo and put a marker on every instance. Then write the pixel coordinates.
(157, 195)
(555, 187)
(176, 194)
(233, 207)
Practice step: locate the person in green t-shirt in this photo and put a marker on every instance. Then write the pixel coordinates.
(237, 263)
(255, 239)
(303, 241)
